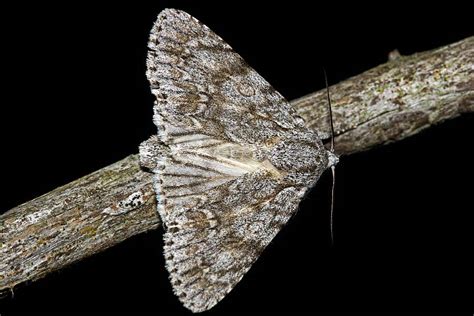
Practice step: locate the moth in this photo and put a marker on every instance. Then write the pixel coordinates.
(231, 159)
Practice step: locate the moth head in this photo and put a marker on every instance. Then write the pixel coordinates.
(333, 159)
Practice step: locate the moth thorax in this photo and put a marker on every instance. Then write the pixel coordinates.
(299, 156)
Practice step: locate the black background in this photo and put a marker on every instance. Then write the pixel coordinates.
(75, 99)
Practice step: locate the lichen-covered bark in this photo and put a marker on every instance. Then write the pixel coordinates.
(396, 99)
(385, 104)
(76, 220)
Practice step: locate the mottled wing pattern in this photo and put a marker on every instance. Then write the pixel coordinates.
(204, 86)
(231, 160)
(209, 249)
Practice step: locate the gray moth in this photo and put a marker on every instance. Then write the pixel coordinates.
(231, 159)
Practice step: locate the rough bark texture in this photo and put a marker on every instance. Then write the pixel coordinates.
(385, 104)
(396, 99)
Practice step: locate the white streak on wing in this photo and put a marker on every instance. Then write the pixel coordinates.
(194, 141)
(225, 166)
(187, 170)
(190, 138)
(196, 187)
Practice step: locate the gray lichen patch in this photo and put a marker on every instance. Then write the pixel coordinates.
(126, 205)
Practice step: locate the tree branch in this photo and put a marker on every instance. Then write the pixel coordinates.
(397, 99)
(86, 216)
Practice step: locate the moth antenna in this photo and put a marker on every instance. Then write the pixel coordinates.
(330, 110)
(333, 168)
